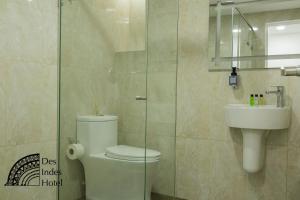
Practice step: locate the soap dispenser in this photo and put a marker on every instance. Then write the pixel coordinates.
(233, 78)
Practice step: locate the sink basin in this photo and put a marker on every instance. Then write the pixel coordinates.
(267, 117)
(256, 122)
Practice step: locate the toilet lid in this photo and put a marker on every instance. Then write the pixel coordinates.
(123, 152)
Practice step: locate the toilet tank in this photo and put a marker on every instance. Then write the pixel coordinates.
(96, 133)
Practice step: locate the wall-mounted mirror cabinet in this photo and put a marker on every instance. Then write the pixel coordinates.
(254, 34)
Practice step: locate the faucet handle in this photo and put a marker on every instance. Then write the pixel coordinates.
(278, 87)
(279, 93)
(279, 90)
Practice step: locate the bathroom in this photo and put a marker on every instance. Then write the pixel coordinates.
(143, 68)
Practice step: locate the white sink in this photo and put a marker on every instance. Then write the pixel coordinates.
(255, 123)
(267, 117)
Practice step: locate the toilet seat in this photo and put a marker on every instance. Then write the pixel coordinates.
(129, 153)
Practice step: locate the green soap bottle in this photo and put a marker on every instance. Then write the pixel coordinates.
(251, 100)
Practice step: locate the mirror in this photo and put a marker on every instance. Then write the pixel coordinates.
(254, 34)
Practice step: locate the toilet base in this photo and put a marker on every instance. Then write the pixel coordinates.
(110, 179)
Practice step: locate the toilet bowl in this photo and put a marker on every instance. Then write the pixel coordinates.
(113, 172)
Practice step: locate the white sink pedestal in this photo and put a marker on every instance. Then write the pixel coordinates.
(254, 149)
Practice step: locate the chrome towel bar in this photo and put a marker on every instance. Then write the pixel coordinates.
(290, 71)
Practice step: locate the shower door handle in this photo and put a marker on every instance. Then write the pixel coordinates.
(140, 98)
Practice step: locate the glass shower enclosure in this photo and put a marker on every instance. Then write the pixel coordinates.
(118, 62)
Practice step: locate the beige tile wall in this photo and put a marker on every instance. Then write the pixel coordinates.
(209, 155)
(28, 89)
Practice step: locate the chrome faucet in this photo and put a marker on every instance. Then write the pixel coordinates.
(279, 93)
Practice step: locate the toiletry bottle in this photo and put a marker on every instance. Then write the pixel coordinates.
(256, 99)
(251, 100)
(261, 100)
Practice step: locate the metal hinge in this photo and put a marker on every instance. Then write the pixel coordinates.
(60, 3)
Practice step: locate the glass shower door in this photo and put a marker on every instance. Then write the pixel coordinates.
(119, 58)
(103, 62)
(162, 37)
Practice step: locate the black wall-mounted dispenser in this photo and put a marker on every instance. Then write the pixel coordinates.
(233, 78)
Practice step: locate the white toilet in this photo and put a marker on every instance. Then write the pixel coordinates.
(113, 172)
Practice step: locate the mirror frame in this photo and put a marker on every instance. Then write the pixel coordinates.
(215, 61)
